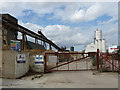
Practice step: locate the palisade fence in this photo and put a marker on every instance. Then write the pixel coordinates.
(82, 61)
(109, 62)
(66, 61)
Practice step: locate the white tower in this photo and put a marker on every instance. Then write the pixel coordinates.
(99, 43)
(98, 34)
(103, 45)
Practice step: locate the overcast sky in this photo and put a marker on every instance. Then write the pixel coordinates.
(67, 24)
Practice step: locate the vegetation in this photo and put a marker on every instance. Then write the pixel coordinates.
(37, 77)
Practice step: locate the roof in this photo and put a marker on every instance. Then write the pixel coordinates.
(32, 45)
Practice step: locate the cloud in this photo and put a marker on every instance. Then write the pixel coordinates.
(93, 12)
(31, 26)
(17, 8)
(78, 15)
(109, 30)
(60, 1)
(107, 22)
(64, 35)
(85, 12)
(60, 34)
(72, 12)
(14, 8)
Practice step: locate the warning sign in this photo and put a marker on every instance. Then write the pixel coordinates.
(112, 48)
(21, 58)
(39, 60)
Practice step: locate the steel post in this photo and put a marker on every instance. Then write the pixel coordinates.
(45, 64)
(97, 59)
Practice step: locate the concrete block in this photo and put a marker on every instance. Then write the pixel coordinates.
(36, 67)
(10, 66)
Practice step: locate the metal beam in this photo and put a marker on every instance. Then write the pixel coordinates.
(28, 32)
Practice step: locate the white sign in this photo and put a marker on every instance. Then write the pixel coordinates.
(53, 59)
(112, 48)
(39, 59)
(21, 58)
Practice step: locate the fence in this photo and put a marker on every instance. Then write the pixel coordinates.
(66, 61)
(109, 62)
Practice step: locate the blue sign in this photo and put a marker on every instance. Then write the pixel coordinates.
(15, 45)
(39, 60)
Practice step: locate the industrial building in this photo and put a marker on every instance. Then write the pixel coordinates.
(8, 33)
(10, 29)
(99, 43)
(25, 55)
(33, 56)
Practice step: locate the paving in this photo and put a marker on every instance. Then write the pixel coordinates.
(70, 79)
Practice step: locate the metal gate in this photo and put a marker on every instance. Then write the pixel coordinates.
(70, 61)
(109, 62)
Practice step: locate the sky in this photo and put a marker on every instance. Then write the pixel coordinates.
(67, 23)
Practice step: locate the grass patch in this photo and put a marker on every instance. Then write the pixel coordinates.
(38, 76)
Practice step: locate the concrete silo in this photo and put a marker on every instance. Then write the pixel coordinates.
(99, 43)
(103, 45)
(96, 43)
(98, 34)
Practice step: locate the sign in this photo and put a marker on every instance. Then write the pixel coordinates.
(53, 59)
(21, 58)
(39, 60)
(112, 48)
(15, 45)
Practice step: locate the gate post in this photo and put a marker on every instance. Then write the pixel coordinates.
(97, 59)
(45, 65)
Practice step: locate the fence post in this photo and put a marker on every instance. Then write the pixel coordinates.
(118, 59)
(97, 59)
(45, 65)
